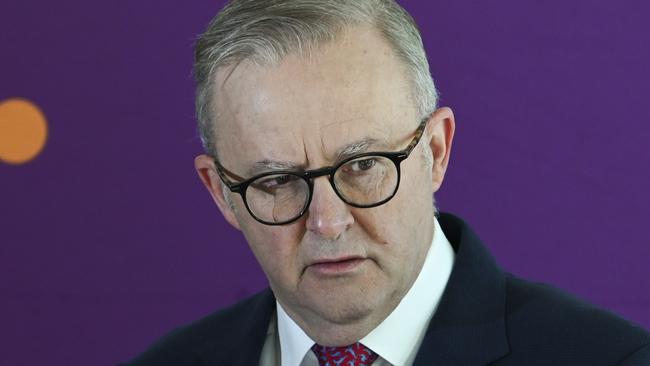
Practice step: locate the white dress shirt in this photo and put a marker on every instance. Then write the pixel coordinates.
(396, 340)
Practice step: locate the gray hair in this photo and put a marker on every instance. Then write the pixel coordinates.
(265, 31)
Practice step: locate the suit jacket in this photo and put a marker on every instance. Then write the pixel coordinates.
(485, 317)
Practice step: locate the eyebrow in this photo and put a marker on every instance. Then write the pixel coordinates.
(356, 147)
(271, 165)
(344, 152)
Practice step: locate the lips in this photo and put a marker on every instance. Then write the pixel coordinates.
(338, 266)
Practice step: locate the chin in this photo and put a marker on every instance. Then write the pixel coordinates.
(349, 315)
(345, 311)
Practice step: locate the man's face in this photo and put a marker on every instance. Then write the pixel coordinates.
(337, 265)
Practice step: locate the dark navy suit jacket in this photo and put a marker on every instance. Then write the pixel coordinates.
(485, 317)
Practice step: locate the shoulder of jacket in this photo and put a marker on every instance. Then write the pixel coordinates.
(183, 345)
(542, 317)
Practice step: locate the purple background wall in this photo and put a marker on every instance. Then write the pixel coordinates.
(108, 239)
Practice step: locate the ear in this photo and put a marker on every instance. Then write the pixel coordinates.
(204, 166)
(440, 132)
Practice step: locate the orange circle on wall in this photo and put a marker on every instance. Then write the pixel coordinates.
(23, 131)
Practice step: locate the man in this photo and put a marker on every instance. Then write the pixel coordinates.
(324, 147)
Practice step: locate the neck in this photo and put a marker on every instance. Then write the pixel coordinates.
(342, 332)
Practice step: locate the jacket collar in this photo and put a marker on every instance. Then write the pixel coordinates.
(469, 326)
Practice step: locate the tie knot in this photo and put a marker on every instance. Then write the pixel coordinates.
(353, 355)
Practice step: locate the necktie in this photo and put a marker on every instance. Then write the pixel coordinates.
(353, 355)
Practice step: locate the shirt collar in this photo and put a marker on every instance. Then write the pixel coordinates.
(294, 342)
(408, 321)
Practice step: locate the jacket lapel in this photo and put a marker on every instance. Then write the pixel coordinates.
(468, 327)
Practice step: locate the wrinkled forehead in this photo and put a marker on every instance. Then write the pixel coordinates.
(311, 107)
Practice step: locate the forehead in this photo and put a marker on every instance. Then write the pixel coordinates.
(309, 106)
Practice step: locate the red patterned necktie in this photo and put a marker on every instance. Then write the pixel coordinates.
(353, 355)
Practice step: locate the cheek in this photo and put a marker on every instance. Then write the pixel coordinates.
(409, 206)
(417, 190)
(395, 226)
(387, 230)
(373, 223)
(276, 249)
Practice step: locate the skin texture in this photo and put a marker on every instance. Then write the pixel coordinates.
(303, 111)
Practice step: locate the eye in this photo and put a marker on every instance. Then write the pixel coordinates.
(273, 182)
(360, 165)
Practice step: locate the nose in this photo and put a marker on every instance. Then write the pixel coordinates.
(328, 216)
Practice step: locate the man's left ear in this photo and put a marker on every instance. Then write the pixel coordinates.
(440, 132)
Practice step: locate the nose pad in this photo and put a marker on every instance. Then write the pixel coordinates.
(328, 216)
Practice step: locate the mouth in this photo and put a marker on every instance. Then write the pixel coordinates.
(337, 266)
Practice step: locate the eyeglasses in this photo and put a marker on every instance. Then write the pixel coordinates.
(281, 197)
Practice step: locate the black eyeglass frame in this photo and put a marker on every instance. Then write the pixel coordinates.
(309, 175)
